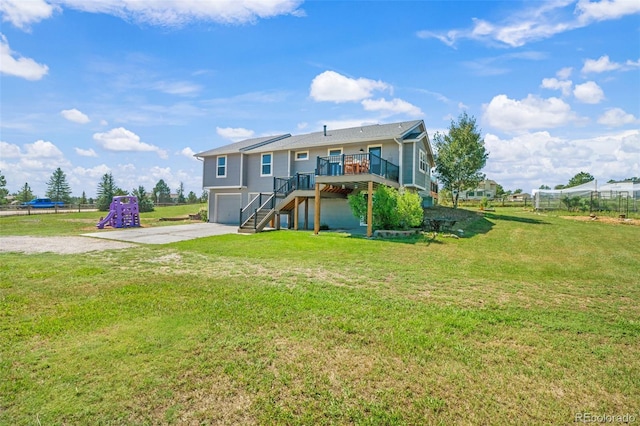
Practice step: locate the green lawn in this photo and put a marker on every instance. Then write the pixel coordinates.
(528, 319)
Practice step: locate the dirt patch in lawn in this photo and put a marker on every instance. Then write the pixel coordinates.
(462, 217)
(60, 245)
(604, 219)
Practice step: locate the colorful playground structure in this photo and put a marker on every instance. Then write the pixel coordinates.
(123, 213)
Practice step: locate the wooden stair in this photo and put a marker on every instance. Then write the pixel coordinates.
(251, 226)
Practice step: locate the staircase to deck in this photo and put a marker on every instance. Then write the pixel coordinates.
(257, 214)
(264, 207)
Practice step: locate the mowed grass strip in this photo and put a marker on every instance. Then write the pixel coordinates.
(528, 319)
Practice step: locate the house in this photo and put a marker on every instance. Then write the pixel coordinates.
(521, 197)
(274, 179)
(486, 188)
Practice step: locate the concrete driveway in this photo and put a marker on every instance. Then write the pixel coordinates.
(165, 234)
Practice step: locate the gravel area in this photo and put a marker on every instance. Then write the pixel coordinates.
(60, 245)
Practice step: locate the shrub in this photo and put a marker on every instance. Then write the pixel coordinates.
(203, 214)
(391, 209)
(410, 212)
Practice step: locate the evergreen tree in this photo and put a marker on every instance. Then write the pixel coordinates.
(204, 197)
(83, 199)
(162, 192)
(180, 191)
(25, 194)
(192, 198)
(107, 189)
(57, 187)
(145, 204)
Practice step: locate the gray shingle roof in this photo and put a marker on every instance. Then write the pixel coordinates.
(241, 146)
(333, 137)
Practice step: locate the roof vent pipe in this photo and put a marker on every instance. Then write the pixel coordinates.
(325, 130)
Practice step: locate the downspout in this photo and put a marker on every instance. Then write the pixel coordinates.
(401, 171)
(241, 180)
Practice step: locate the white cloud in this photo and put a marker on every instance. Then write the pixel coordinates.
(606, 9)
(17, 66)
(555, 84)
(302, 125)
(86, 152)
(121, 139)
(75, 116)
(603, 64)
(92, 172)
(588, 93)
(532, 159)
(544, 20)
(564, 73)
(9, 150)
(599, 65)
(43, 149)
(22, 13)
(632, 64)
(392, 107)
(333, 87)
(616, 117)
(234, 134)
(189, 153)
(181, 88)
(180, 12)
(511, 115)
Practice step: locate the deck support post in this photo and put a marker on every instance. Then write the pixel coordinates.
(316, 217)
(370, 210)
(296, 204)
(306, 213)
(278, 221)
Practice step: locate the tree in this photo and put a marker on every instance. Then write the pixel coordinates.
(83, 198)
(58, 188)
(544, 187)
(518, 191)
(161, 192)
(25, 194)
(460, 155)
(3, 189)
(145, 204)
(192, 198)
(107, 189)
(579, 179)
(559, 186)
(180, 192)
(204, 197)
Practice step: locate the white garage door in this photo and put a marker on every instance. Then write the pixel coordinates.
(228, 208)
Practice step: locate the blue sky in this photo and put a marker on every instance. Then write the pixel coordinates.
(135, 88)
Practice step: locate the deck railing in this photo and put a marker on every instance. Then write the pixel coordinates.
(261, 201)
(285, 186)
(357, 164)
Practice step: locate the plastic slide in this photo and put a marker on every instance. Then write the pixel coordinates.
(106, 220)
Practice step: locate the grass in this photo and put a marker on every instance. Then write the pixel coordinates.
(50, 224)
(528, 319)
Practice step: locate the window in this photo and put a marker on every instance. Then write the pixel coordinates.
(222, 166)
(265, 164)
(335, 151)
(423, 161)
(302, 155)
